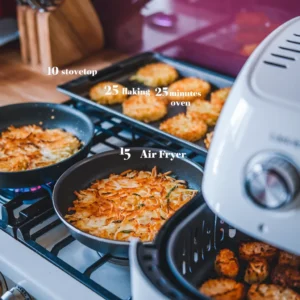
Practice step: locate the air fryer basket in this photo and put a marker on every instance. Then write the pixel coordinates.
(194, 244)
(184, 251)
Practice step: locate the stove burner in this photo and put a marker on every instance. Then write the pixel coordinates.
(35, 193)
(27, 190)
(116, 260)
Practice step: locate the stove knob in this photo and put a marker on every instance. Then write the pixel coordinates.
(16, 293)
(272, 180)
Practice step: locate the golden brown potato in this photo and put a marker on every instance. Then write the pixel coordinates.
(135, 203)
(271, 292)
(208, 139)
(223, 289)
(156, 74)
(288, 259)
(188, 89)
(226, 264)
(257, 271)
(205, 111)
(184, 127)
(108, 92)
(145, 108)
(32, 147)
(253, 250)
(219, 97)
(286, 276)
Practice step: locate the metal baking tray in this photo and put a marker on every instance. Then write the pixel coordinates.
(122, 71)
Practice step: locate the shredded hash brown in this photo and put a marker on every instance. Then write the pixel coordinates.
(218, 98)
(156, 74)
(31, 147)
(105, 93)
(184, 126)
(205, 111)
(132, 204)
(145, 108)
(189, 84)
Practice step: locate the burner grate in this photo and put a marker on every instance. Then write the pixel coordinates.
(32, 240)
(33, 224)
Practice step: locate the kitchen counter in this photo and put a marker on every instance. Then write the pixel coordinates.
(20, 83)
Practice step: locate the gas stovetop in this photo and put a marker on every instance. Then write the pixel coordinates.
(29, 217)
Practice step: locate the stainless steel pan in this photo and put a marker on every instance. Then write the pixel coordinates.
(81, 175)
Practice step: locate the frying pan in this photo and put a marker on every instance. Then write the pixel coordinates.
(47, 115)
(100, 166)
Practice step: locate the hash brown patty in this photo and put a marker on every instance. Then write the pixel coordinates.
(108, 93)
(187, 85)
(156, 74)
(219, 97)
(271, 292)
(32, 147)
(205, 111)
(146, 108)
(135, 203)
(184, 127)
(223, 289)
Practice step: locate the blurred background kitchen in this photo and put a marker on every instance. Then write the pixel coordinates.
(91, 34)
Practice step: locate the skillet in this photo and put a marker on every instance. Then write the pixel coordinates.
(52, 116)
(81, 175)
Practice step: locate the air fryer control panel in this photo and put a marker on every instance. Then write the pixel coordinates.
(272, 180)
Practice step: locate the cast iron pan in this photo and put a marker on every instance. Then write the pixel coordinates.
(81, 175)
(51, 116)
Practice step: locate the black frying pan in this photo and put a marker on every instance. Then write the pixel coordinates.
(51, 116)
(81, 175)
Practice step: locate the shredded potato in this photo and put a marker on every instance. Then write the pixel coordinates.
(104, 93)
(185, 126)
(132, 204)
(188, 85)
(145, 108)
(31, 147)
(156, 74)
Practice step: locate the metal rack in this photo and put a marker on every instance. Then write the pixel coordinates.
(28, 223)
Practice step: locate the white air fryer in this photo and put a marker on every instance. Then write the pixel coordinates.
(251, 177)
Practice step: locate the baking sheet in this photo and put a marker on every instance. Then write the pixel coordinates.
(122, 71)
